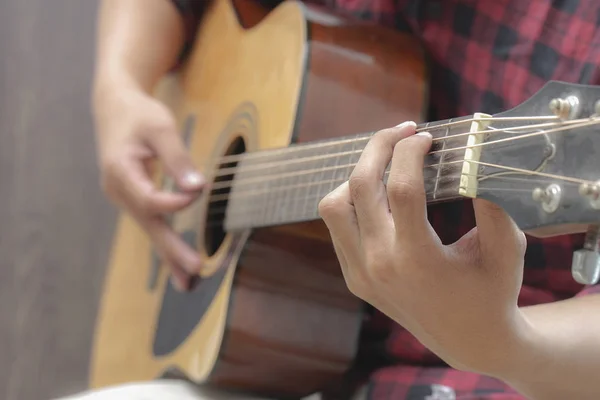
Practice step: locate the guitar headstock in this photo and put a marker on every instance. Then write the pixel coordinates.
(540, 161)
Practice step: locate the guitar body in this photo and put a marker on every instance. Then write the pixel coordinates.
(272, 314)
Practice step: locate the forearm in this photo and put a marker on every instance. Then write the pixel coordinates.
(562, 356)
(138, 41)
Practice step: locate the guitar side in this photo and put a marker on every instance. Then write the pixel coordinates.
(272, 314)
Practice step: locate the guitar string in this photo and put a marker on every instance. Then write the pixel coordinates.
(254, 192)
(299, 160)
(534, 173)
(452, 178)
(587, 122)
(246, 180)
(242, 180)
(334, 142)
(219, 221)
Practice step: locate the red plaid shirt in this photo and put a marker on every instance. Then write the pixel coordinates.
(487, 56)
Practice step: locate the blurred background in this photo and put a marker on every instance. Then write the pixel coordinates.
(55, 225)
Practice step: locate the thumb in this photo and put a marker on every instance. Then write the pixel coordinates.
(171, 150)
(499, 237)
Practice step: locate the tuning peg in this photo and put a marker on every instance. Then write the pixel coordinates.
(586, 261)
(548, 197)
(567, 108)
(592, 192)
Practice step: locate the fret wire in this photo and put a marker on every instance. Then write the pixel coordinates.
(334, 173)
(264, 209)
(297, 196)
(338, 177)
(304, 207)
(439, 170)
(274, 212)
(279, 211)
(319, 188)
(316, 190)
(356, 155)
(272, 200)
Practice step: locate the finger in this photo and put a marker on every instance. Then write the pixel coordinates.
(171, 150)
(142, 195)
(179, 278)
(337, 211)
(406, 189)
(366, 181)
(498, 235)
(174, 249)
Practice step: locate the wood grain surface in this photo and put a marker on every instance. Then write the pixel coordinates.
(55, 226)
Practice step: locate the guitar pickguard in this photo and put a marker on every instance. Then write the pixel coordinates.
(181, 313)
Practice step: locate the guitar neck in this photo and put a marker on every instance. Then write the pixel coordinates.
(282, 186)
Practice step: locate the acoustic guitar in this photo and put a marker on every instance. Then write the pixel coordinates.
(275, 107)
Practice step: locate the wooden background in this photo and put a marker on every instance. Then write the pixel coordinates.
(55, 227)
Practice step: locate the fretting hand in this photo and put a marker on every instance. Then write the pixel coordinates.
(459, 300)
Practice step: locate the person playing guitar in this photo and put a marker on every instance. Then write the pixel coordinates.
(464, 306)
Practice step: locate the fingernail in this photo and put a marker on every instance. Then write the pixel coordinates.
(193, 178)
(407, 123)
(426, 134)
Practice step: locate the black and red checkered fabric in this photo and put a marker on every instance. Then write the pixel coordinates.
(487, 56)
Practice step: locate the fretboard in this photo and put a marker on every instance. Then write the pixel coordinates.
(284, 186)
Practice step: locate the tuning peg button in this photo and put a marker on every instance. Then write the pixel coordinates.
(567, 108)
(586, 261)
(592, 192)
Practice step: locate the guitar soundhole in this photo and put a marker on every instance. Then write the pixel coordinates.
(219, 196)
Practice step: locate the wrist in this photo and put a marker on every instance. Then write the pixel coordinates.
(513, 352)
(111, 88)
(527, 356)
